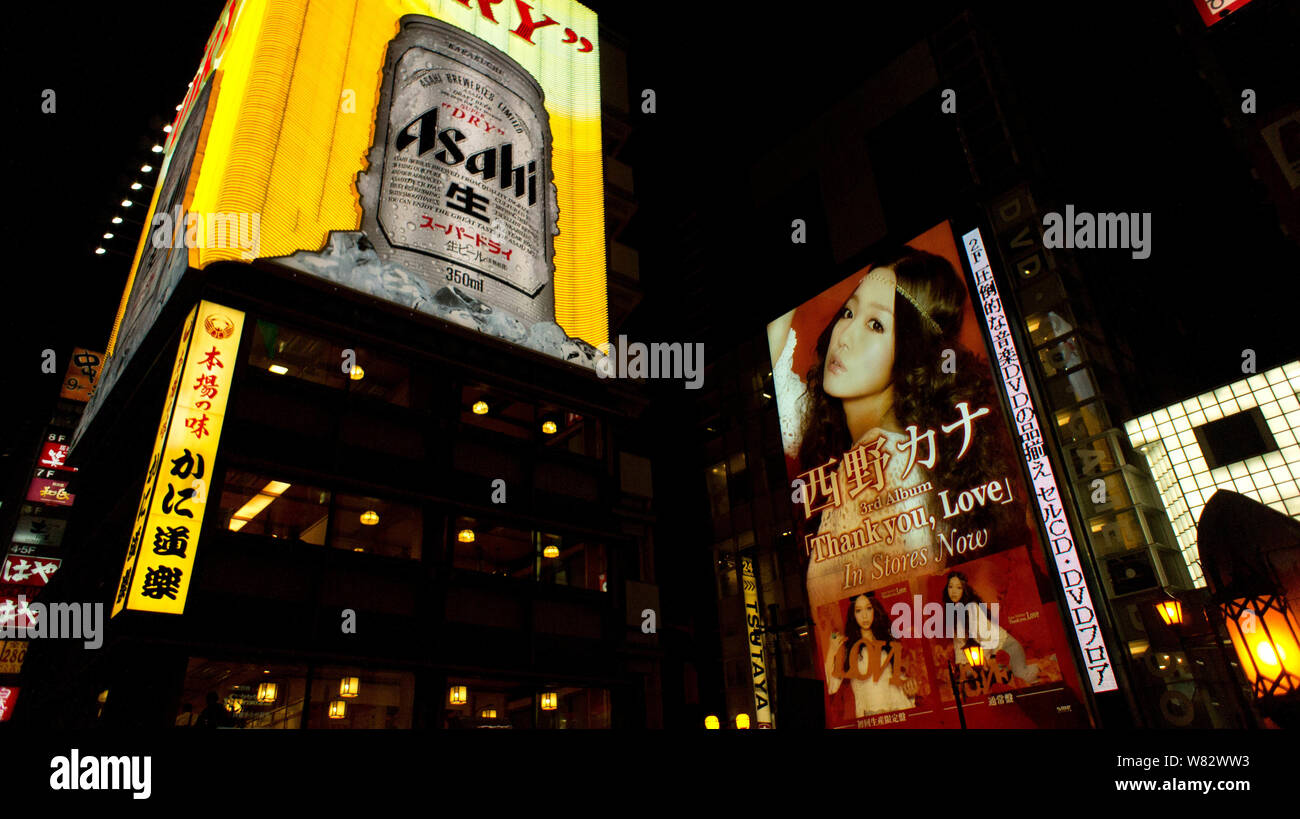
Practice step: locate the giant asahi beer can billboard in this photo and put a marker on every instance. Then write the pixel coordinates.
(440, 155)
(916, 518)
(459, 188)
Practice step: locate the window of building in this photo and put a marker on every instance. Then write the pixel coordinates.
(355, 697)
(259, 504)
(376, 526)
(717, 481)
(546, 424)
(1082, 422)
(256, 504)
(492, 547)
(475, 702)
(1235, 438)
(218, 694)
(295, 354)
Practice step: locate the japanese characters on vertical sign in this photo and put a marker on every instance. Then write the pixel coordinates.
(757, 636)
(160, 556)
(26, 570)
(83, 372)
(1069, 567)
(913, 516)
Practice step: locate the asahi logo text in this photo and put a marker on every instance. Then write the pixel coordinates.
(482, 163)
(208, 230)
(656, 360)
(1127, 231)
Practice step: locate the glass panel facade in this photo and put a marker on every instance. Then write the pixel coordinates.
(376, 526)
(354, 697)
(219, 694)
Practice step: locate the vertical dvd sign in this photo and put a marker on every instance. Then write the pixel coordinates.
(1069, 567)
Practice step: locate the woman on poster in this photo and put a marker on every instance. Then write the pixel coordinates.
(990, 635)
(890, 359)
(867, 657)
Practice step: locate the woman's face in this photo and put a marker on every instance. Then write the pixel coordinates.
(954, 589)
(860, 359)
(863, 613)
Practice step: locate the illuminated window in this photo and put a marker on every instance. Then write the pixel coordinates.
(384, 699)
(296, 354)
(509, 551)
(219, 694)
(389, 528)
(551, 426)
(257, 504)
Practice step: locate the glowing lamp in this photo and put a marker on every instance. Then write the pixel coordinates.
(146, 169)
(338, 709)
(99, 251)
(267, 691)
(357, 373)
(711, 723)
(349, 687)
(1171, 611)
(135, 186)
(278, 369)
(974, 654)
(551, 550)
(742, 721)
(550, 701)
(488, 713)
(466, 536)
(117, 220)
(480, 408)
(459, 695)
(108, 236)
(1264, 633)
(369, 518)
(549, 427)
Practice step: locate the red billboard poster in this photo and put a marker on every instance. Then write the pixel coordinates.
(45, 490)
(8, 697)
(916, 529)
(24, 570)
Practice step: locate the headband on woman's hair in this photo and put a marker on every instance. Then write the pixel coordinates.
(934, 325)
(930, 322)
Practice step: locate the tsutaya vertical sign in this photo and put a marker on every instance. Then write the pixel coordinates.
(160, 558)
(1069, 567)
(754, 627)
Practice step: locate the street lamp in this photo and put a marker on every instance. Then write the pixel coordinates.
(1263, 631)
(974, 656)
(1171, 611)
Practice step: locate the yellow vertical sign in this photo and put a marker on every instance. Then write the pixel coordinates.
(160, 559)
(757, 632)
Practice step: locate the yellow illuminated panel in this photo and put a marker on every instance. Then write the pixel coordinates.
(300, 84)
(160, 560)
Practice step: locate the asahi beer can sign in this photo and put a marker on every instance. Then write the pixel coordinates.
(462, 157)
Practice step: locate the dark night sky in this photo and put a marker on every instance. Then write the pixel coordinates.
(1117, 94)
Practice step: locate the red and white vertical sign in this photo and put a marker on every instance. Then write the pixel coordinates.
(8, 696)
